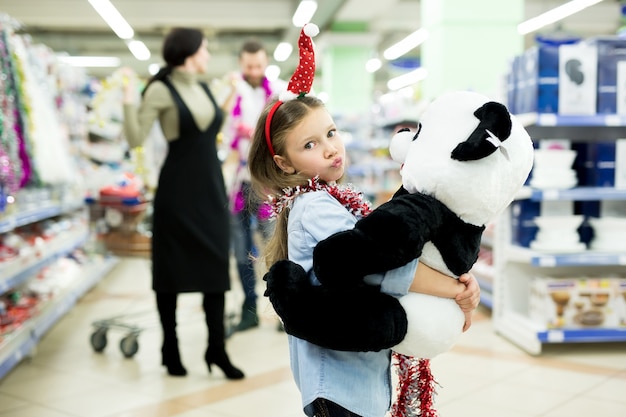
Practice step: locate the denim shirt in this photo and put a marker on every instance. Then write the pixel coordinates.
(358, 381)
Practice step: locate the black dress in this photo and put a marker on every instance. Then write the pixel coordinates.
(191, 234)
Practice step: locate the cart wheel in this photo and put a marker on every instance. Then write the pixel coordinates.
(99, 339)
(129, 345)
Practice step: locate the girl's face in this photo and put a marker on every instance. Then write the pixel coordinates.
(314, 147)
(201, 58)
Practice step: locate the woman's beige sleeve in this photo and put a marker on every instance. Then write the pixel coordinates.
(138, 119)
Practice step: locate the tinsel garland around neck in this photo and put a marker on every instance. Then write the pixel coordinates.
(351, 199)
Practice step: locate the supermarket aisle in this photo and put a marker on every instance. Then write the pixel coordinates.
(483, 375)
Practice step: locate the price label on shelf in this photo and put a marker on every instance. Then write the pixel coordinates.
(556, 336)
(613, 120)
(547, 261)
(547, 119)
(551, 194)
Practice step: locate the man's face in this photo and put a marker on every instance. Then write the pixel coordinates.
(253, 67)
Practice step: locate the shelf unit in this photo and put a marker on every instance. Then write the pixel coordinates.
(514, 266)
(21, 341)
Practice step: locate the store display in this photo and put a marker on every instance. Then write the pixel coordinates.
(43, 219)
(578, 302)
(533, 265)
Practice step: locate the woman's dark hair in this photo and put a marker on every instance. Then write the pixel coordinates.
(179, 44)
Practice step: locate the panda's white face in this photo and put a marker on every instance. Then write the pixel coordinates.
(475, 190)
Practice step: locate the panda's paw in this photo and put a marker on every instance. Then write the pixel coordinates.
(284, 278)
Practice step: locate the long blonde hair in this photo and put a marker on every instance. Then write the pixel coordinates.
(267, 178)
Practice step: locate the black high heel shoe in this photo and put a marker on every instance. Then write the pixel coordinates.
(220, 359)
(171, 360)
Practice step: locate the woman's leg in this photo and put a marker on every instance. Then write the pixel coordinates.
(166, 305)
(213, 305)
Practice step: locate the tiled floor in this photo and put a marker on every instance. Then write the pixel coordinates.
(484, 375)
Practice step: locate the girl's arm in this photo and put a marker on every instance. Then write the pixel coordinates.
(465, 290)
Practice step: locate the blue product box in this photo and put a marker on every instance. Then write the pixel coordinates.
(539, 70)
(604, 164)
(511, 87)
(524, 229)
(611, 51)
(585, 163)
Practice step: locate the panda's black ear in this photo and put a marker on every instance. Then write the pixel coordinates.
(494, 127)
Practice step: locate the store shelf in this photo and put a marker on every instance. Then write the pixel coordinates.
(589, 258)
(21, 342)
(23, 268)
(578, 128)
(530, 336)
(517, 268)
(579, 194)
(41, 213)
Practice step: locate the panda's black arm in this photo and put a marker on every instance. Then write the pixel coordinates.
(390, 237)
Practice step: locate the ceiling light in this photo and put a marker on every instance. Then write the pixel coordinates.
(407, 79)
(282, 51)
(373, 65)
(305, 11)
(91, 61)
(406, 44)
(272, 72)
(139, 50)
(113, 18)
(153, 68)
(554, 15)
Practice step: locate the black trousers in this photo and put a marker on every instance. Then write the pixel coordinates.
(323, 408)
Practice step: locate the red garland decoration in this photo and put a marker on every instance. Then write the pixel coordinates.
(416, 388)
(351, 199)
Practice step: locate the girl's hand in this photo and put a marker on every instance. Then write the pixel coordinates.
(469, 299)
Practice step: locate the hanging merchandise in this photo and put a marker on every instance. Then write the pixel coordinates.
(11, 173)
(50, 142)
(107, 143)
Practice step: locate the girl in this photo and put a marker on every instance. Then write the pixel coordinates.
(296, 146)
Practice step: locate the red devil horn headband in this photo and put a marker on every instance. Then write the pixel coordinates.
(301, 80)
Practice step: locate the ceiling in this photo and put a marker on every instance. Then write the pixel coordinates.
(73, 26)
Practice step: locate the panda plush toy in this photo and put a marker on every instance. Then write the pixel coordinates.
(463, 166)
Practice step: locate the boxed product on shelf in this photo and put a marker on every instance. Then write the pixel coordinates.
(537, 80)
(620, 162)
(578, 75)
(611, 75)
(523, 226)
(603, 164)
(578, 302)
(510, 77)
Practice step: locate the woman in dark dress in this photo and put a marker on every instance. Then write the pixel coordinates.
(190, 236)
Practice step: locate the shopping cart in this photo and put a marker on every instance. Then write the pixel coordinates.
(132, 324)
(129, 344)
